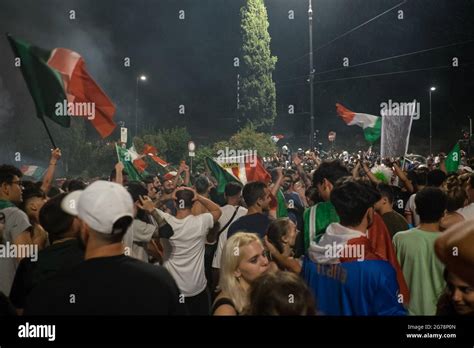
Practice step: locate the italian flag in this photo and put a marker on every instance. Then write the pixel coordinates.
(148, 162)
(371, 124)
(453, 159)
(33, 171)
(127, 158)
(222, 175)
(58, 77)
(243, 173)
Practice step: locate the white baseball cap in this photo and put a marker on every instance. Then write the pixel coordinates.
(100, 205)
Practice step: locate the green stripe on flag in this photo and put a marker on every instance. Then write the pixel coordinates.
(125, 158)
(371, 134)
(282, 211)
(44, 83)
(222, 176)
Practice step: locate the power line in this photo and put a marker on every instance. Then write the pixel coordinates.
(381, 74)
(380, 60)
(393, 73)
(344, 34)
(396, 56)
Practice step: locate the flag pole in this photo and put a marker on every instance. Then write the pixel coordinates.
(49, 134)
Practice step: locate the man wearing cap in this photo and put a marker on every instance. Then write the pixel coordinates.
(107, 282)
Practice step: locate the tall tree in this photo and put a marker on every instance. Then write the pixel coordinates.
(258, 95)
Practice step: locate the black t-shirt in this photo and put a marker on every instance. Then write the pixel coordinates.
(400, 199)
(254, 223)
(115, 285)
(51, 261)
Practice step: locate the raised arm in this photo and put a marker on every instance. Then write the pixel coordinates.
(299, 168)
(212, 207)
(118, 173)
(402, 176)
(277, 183)
(49, 175)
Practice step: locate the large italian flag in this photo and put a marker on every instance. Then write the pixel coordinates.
(371, 124)
(60, 76)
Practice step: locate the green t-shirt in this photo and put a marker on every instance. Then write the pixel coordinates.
(422, 270)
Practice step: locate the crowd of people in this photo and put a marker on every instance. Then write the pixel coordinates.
(356, 235)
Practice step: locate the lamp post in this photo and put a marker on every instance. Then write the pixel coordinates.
(311, 77)
(139, 78)
(191, 149)
(432, 89)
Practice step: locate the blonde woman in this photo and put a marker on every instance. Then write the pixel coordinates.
(243, 260)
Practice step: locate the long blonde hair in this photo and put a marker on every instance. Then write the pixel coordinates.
(231, 258)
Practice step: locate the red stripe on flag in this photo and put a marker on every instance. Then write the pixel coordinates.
(257, 172)
(84, 88)
(346, 114)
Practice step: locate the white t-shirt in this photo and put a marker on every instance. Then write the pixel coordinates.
(411, 207)
(16, 222)
(137, 236)
(184, 251)
(227, 212)
(466, 212)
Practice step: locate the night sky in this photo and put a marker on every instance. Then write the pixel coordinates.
(190, 62)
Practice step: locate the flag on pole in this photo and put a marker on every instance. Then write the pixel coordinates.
(61, 86)
(371, 124)
(33, 171)
(453, 159)
(125, 156)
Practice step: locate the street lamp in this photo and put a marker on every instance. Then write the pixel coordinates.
(432, 89)
(139, 78)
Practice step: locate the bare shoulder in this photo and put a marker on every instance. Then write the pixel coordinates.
(224, 308)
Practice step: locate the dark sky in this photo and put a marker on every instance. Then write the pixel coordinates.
(190, 61)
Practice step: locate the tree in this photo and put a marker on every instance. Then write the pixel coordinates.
(258, 96)
(202, 152)
(172, 144)
(248, 138)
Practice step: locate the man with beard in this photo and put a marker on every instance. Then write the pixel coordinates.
(107, 282)
(166, 201)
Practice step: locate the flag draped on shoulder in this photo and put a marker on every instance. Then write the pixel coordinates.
(61, 86)
(371, 124)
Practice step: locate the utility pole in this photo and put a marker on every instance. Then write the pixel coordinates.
(311, 77)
